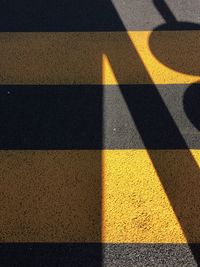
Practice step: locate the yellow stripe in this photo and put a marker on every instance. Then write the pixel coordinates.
(84, 58)
(136, 207)
(50, 196)
(84, 196)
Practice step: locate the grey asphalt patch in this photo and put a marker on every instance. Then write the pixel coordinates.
(126, 255)
(120, 130)
(144, 15)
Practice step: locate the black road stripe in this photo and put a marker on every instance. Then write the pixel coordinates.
(89, 15)
(72, 117)
(112, 255)
(50, 254)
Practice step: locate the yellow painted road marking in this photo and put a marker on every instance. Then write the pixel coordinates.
(78, 58)
(82, 196)
(136, 208)
(50, 196)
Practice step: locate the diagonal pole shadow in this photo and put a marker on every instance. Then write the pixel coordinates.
(178, 171)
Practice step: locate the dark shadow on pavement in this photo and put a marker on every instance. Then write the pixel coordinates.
(178, 172)
(183, 188)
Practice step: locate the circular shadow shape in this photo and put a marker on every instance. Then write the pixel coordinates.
(180, 53)
(191, 103)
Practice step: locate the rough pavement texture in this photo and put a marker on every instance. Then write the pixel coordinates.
(142, 194)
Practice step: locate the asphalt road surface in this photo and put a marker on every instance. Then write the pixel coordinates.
(99, 133)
